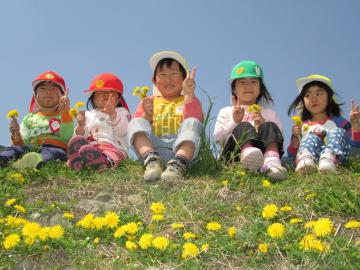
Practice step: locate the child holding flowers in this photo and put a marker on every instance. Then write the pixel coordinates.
(167, 126)
(323, 134)
(247, 131)
(48, 124)
(100, 139)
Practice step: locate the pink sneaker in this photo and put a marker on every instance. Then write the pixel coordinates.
(94, 158)
(75, 161)
(252, 158)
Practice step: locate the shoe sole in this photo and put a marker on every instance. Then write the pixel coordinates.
(306, 169)
(75, 161)
(253, 162)
(93, 158)
(278, 174)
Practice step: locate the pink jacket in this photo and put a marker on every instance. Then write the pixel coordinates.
(225, 124)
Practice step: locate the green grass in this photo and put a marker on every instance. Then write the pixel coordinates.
(194, 202)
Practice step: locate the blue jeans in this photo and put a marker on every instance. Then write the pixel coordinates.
(166, 146)
(47, 151)
(337, 143)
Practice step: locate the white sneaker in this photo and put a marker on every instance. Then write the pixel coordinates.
(305, 163)
(327, 163)
(275, 170)
(252, 158)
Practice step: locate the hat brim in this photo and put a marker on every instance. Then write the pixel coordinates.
(300, 83)
(157, 57)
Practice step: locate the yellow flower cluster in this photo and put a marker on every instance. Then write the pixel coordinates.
(158, 210)
(310, 242)
(75, 110)
(255, 108)
(351, 224)
(110, 220)
(266, 183)
(297, 120)
(160, 242)
(263, 248)
(269, 211)
(141, 91)
(189, 250)
(17, 177)
(12, 114)
(177, 226)
(213, 226)
(189, 235)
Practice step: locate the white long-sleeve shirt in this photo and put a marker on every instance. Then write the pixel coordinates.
(100, 129)
(225, 123)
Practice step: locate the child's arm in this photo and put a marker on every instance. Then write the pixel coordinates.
(66, 126)
(193, 109)
(355, 124)
(224, 125)
(16, 137)
(294, 141)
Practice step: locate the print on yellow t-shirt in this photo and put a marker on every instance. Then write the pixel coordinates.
(167, 116)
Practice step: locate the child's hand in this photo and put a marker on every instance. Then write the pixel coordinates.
(109, 107)
(355, 116)
(148, 108)
(188, 86)
(14, 127)
(64, 102)
(80, 117)
(296, 131)
(238, 111)
(258, 120)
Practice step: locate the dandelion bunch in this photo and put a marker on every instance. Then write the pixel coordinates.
(255, 108)
(141, 91)
(297, 120)
(75, 110)
(189, 235)
(158, 208)
(10, 202)
(12, 114)
(130, 245)
(17, 177)
(266, 183)
(68, 215)
(232, 232)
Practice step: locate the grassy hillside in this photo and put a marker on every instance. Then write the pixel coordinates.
(225, 196)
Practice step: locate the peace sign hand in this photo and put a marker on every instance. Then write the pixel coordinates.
(238, 111)
(355, 116)
(64, 102)
(109, 107)
(188, 86)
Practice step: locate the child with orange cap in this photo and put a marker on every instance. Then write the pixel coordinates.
(101, 134)
(167, 126)
(48, 125)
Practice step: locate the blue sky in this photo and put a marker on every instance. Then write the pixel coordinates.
(80, 39)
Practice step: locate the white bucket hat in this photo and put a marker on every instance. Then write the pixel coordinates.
(300, 83)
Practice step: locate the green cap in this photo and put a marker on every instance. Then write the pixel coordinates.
(246, 69)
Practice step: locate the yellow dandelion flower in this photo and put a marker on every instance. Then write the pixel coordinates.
(157, 217)
(160, 242)
(266, 183)
(309, 242)
(96, 240)
(276, 230)
(130, 245)
(158, 208)
(11, 241)
(297, 120)
(310, 196)
(79, 104)
(132, 228)
(351, 224)
(120, 231)
(232, 232)
(305, 127)
(17, 177)
(73, 112)
(44, 233)
(20, 208)
(177, 226)
(86, 222)
(56, 232)
(112, 219)
(29, 241)
(255, 108)
(99, 223)
(204, 247)
(2, 221)
(295, 220)
(31, 229)
(225, 183)
(238, 208)
(309, 224)
(136, 90)
(144, 91)
(68, 215)
(189, 235)
(269, 211)
(10, 202)
(189, 250)
(286, 208)
(263, 248)
(14, 221)
(213, 226)
(323, 227)
(145, 240)
(12, 114)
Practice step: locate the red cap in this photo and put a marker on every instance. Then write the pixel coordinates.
(48, 76)
(107, 82)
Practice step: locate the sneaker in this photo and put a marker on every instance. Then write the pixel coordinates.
(154, 166)
(252, 158)
(305, 163)
(75, 161)
(175, 170)
(274, 169)
(29, 160)
(94, 158)
(327, 162)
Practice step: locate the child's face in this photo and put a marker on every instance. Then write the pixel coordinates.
(169, 80)
(247, 90)
(316, 100)
(48, 95)
(101, 98)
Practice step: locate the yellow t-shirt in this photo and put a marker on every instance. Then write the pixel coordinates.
(167, 116)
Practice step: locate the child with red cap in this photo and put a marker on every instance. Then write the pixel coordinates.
(101, 134)
(167, 126)
(48, 125)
